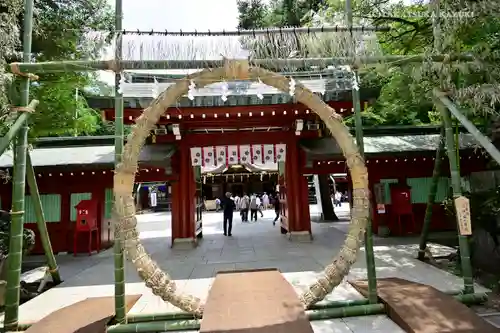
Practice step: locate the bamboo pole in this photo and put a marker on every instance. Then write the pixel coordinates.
(358, 121)
(463, 241)
(14, 129)
(119, 259)
(40, 221)
(145, 317)
(194, 324)
(431, 198)
(255, 32)
(469, 126)
(270, 64)
(14, 259)
(177, 317)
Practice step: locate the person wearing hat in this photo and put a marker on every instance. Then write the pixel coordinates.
(228, 207)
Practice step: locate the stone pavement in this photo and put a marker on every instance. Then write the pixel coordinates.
(253, 245)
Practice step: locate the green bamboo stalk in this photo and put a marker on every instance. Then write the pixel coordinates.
(168, 316)
(271, 64)
(40, 221)
(14, 129)
(14, 259)
(358, 123)
(337, 304)
(145, 317)
(350, 311)
(472, 299)
(156, 326)
(119, 259)
(194, 324)
(463, 241)
(432, 197)
(484, 141)
(177, 318)
(255, 32)
(457, 145)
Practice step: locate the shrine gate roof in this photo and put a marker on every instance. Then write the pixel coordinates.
(88, 155)
(385, 144)
(160, 154)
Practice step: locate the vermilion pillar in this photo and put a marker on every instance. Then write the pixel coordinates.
(183, 198)
(299, 222)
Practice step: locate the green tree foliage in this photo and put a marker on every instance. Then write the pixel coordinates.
(466, 26)
(63, 30)
(9, 42)
(256, 14)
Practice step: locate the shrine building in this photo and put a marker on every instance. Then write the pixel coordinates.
(257, 140)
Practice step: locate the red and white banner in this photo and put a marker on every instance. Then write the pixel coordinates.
(196, 158)
(231, 155)
(257, 154)
(268, 154)
(280, 153)
(221, 155)
(245, 154)
(208, 156)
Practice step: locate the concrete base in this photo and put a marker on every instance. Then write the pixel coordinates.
(301, 236)
(184, 243)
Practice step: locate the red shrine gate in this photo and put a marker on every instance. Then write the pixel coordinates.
(233, 148)
(250, 128)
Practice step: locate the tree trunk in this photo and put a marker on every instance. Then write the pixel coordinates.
(326, 199)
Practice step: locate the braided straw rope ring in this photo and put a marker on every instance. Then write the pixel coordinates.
(160, 282)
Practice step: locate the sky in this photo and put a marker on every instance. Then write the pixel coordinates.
(175, 15)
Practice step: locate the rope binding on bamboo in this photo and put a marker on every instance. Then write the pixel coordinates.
(14, 68)
(159, 281)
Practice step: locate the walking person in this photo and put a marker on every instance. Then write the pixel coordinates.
(237, 202)
(228, 207)
(277, 208)
(260, 206)
(338, 199)
(254, 207)
(244, 206)
(265, 201)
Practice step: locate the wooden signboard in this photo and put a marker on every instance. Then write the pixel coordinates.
(463, 216)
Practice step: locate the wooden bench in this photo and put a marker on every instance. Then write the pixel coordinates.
(91, 315)
(257, 301)
(419, 308)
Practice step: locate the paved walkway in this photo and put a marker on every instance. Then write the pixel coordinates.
(253, 245)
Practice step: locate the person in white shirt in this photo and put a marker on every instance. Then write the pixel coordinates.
(265, 201)
(237, 202)
(254, 207)
(338, 199)
(244, 206)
